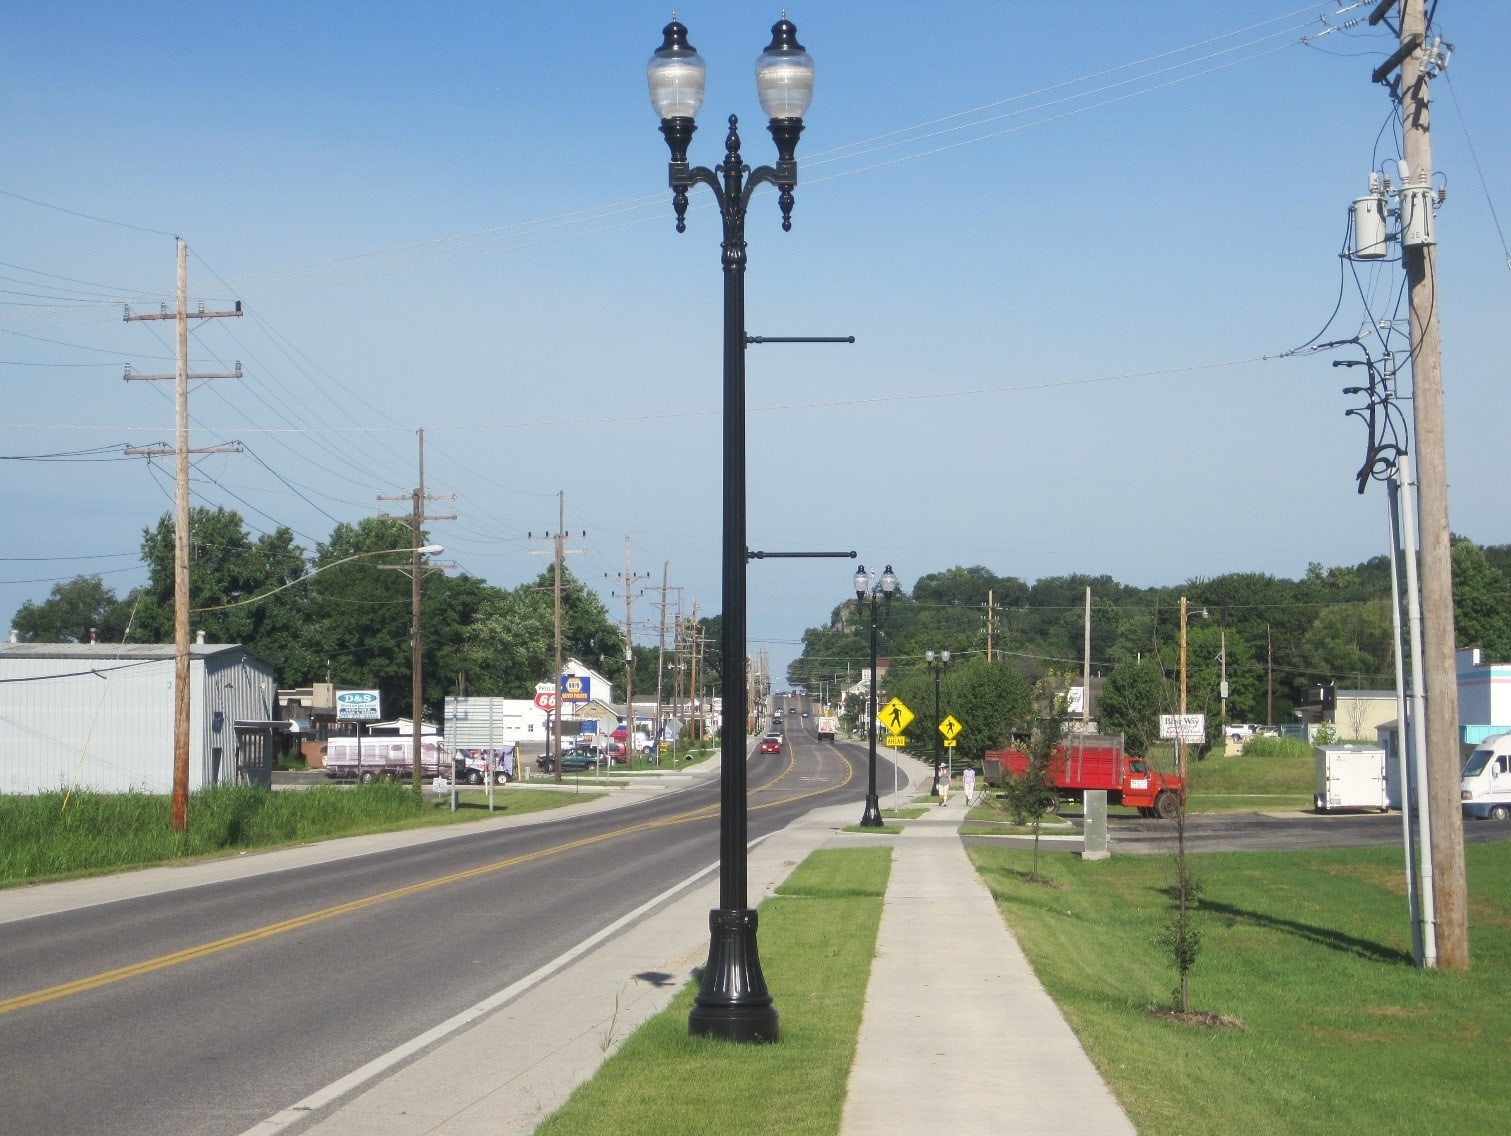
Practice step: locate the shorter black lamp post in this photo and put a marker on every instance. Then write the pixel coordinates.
(937, 663)
(884, 587)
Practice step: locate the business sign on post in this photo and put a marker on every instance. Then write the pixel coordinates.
(546, 699)
(575, 688)
(358, 705)
(1188, 728)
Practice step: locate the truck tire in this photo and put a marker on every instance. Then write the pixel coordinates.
(475, 777)
(1500, 812)
(368, 777)
(1166, 804)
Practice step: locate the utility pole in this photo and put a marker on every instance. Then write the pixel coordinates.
(990, 608)
(1418, 60)
(417, 517)
(694, 651)
(559, 552)
(660, 662)
(629, 579)
(1269, 678)
(181, 452)
(1180, 741)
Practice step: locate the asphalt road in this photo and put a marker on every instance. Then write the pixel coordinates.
(252, 994)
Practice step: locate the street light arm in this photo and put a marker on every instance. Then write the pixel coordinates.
(427, 549)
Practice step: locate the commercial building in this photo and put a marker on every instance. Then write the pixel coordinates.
(100, 716)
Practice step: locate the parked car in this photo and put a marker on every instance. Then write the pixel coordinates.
(581, 757)
(771, 743)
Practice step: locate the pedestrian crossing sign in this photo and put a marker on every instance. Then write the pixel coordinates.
(895, 716)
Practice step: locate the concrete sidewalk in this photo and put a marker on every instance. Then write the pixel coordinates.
(958, 1036)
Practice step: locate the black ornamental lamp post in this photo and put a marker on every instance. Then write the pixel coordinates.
(733, 1002)
(937, 663)
(884, 587)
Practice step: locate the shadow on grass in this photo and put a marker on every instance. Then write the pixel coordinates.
(1322, 936)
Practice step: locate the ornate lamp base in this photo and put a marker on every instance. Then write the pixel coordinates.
(733, 1002)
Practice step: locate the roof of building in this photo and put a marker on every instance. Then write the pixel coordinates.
(108, 651)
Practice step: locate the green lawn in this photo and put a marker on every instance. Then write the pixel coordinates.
(817, 937)
(1310, 951)
(1272, 776)
(53, 836)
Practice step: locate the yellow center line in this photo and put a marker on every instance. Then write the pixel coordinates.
(309, 919)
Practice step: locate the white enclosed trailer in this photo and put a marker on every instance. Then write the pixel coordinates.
(1351, 777)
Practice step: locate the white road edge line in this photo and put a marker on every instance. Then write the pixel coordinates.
(320, 1098)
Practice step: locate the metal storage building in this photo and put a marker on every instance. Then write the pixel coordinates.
(100, 716)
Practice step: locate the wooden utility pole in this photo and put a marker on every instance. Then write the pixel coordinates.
(694, 651)
(181, 452)
(1450, 888)
(660, 662)
(1180, 742)
(417, 518)
(1269, 678)
(629, 579)
(559, 552)
(990, 608)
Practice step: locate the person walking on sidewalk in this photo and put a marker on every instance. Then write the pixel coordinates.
(968, 784)
(944, 787)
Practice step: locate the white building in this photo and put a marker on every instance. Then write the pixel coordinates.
(491, 722)
(1484, 698)
(100, 716)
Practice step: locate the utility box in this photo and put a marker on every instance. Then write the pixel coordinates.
(1350, 777)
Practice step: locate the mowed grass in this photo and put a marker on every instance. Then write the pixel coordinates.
(53, 836)
(1311, 952)
(817, 938)
(1271, 773)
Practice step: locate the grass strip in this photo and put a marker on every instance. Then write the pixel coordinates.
(1310, 951)
(818, 936)
(51, 836)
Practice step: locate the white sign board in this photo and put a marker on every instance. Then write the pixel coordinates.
(1186, 728)
(1073, 701)
(360, 705)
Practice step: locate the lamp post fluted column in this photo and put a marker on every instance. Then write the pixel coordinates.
(937, 663)
(871, 817)
(733, 1002)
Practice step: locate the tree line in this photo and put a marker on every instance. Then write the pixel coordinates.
(349, 622)
(1279, 642)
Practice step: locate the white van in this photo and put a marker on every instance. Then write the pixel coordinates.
(1486, 784)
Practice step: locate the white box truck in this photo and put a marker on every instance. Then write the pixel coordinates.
(1485, 787)
(1350, 777)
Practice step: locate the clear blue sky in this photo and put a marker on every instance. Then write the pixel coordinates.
(1063, 235)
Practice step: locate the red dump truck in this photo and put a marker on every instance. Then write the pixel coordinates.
(1097, 761)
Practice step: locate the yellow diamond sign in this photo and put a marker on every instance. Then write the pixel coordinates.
(895, 716)
(950, 727)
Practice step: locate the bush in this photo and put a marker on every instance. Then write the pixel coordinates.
(1262, 745)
